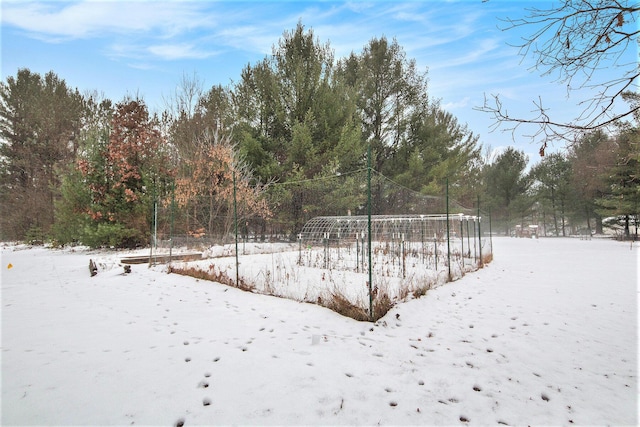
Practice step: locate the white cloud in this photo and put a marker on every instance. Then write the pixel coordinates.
(462, 103)
(56, 21)
(249, 38)
(179, 51)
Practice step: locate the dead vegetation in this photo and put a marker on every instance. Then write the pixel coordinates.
(335, 300)
(212, 275)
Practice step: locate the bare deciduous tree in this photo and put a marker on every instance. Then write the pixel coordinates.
(574, 41)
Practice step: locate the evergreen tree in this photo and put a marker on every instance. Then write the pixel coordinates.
(79, 189)
(553, 178)
(40, 119)
(389, 89)
(591, 157)
(438, 148)
(623, 200)
(507, 186)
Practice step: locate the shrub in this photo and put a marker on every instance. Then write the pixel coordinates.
(34, 235)
(112, 235)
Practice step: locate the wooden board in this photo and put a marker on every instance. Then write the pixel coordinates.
(161, 258)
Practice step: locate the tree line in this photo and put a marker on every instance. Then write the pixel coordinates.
(594, 184)
(79, 168)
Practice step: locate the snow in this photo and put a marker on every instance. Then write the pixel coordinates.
(300, 273)
(546, 334)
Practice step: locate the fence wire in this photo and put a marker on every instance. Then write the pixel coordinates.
(319, 242)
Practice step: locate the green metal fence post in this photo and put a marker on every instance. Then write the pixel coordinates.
(171, 223)
(235, 221)
(462, 240)
(369, 230)
(479, 234)
(448, 236)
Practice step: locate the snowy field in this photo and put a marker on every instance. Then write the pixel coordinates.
(315, 273)
(547, 334)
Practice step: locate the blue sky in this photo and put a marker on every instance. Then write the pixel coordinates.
(145, 48)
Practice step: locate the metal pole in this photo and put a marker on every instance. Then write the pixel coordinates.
(153, 226)
(448, 236)
(462, 240)
(475, 245)
(479, 233)
(369, 230)
(404, 265)
(173, 203)
(235, 221)
(435, 252)
(469, 239)
(422, 237)
(357, 253)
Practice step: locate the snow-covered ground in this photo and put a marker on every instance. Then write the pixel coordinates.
(316, 273)
(546, 335)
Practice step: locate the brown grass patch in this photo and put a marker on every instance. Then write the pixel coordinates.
(341, 305)
(486, 259)
(213, 276)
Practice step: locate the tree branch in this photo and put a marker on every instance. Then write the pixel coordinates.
(576, 39)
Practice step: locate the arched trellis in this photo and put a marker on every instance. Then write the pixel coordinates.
(410, 228)
(427, 239)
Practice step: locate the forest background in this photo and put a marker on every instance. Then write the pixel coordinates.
(79, 168)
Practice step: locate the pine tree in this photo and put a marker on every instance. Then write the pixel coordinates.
(623, 200)
(40, 119)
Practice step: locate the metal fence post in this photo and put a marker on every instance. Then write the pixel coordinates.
(369, 230)
(448, 235)
(479, 234)
(235, 221)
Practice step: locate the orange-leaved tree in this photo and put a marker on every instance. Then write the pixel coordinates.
(205, 187)
(130, 171)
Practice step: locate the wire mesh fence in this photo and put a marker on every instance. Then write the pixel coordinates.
(353, 242)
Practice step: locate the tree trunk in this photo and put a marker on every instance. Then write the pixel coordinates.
(627, 234)
(598, 221)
